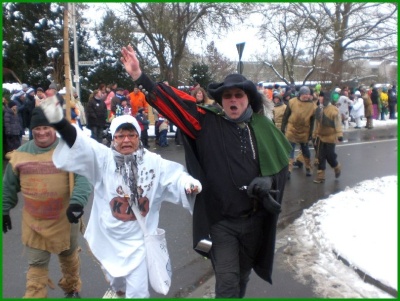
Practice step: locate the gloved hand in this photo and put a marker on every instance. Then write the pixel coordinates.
(270, 204)
(74, 212)
(340, 139)
(6, 223)
(52, 109)
(260, 188)
(193, 186)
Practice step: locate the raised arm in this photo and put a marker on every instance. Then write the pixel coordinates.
(177, 106)
(131, 62)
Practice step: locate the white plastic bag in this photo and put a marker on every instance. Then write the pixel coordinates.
(157, 257)
(158, 262)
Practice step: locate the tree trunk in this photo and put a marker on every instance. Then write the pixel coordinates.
(337, 64)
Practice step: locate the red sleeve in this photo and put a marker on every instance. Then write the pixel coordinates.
(177, 106)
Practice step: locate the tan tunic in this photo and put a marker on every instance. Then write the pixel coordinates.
(299, 122)
(367, 105)
(45, 191)
(329, 127)
(278, 115)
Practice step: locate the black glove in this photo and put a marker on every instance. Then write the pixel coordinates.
(74, 212)
(260, 188)
(340, 139)
(6, 223)
(270, 204)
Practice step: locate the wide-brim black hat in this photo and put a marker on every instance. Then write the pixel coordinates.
(236, 81)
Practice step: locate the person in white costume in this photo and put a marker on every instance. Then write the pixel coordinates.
(124, 175)
(358, 109)
(343, 105)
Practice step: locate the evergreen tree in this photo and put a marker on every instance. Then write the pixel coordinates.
(33, 42)
(29, 31)
(112, 34)
(199, 74)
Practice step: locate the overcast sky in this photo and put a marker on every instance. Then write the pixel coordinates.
(225, 45)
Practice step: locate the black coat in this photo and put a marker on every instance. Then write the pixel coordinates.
(12, 125)
(21, 108)
(207, 208)
(374, 96)
(29, 106)
(96, 113)
(392, 97)
(205, 151)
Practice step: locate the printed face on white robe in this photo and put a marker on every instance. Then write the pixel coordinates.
(120, 206)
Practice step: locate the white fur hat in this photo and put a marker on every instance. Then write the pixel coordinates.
(120, 120)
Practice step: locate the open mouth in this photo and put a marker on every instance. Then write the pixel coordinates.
(233, 108)
(126, 147)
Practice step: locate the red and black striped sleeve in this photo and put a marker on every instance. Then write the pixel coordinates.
(177, 106)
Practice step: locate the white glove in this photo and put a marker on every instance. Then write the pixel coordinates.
(193, 186)
(52, 109)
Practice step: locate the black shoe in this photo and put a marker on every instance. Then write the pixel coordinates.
(357, 127)
(73, 295)
(308, 172)
(288, 175)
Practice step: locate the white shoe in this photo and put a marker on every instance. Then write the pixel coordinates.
(110, 294)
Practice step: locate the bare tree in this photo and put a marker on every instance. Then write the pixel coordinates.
(219, 64)
(324, 40)
(357, 31)
(167, 26)
(298, 45)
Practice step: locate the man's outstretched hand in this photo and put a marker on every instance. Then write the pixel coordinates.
(52, 109)
(131, 62)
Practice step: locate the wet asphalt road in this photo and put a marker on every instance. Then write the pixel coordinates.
(366, 154)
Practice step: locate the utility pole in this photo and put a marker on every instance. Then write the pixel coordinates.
(76, 75)
(67, 71)
(68, 85)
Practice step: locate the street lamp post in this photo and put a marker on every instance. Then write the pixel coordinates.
(240, 47)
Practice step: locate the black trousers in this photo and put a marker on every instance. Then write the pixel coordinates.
(235, 244)
(97, 133)
(157, 129)
(145, 138)
(326, 153)
(392, 110)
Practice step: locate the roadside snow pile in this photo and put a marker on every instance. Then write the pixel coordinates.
(359, 225)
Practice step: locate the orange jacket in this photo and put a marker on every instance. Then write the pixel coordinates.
(137, 101)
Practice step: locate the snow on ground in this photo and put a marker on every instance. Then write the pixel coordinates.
(376, 123)
(359, 225)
